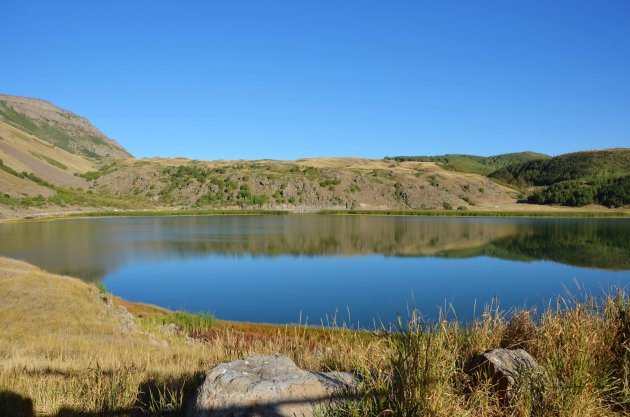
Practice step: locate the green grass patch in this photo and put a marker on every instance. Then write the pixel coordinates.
(190, 322)
(50, 160)
(101, 288)
(94, 175)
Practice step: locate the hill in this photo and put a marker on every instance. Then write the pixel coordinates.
(301, 185)
(482, 165)
(575, 179)
(573, 166)
(58, 127)
(52, 160)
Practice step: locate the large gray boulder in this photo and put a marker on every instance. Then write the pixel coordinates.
(508, 370)
(266, 386)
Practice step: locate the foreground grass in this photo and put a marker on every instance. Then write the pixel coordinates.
(67, 349)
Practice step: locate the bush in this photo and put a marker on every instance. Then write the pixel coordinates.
(329, 183)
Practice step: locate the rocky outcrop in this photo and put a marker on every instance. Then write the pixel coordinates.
(266, 386)
(507, 369)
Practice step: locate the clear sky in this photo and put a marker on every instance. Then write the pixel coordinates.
(287, 79)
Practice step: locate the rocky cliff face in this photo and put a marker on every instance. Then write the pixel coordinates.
(59, 127)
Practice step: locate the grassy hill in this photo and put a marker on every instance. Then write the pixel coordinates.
(58, 127)
(482, 165)
(575, 179)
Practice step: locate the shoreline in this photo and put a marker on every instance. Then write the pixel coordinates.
(552, 212)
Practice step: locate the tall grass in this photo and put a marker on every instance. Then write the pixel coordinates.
(582, 345)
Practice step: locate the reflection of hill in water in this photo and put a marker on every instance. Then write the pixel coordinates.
(92, 248)
(345, 236)
(588, 247)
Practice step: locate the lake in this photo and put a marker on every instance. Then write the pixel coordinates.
(324, 269)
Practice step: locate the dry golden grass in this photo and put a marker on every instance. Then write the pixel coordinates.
(25, 152)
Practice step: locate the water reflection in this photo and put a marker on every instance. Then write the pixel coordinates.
(93, 248)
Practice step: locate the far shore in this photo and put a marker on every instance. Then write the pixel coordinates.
(517, 211)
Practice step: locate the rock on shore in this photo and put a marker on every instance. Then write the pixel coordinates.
(267, 386)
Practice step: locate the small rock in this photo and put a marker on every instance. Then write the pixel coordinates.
(128, 324)
(170, 328)
(506, 368)
(105, 299)
(266, 386)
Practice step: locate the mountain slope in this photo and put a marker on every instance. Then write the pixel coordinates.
(59, 127)
(25, 153)
(482, 165)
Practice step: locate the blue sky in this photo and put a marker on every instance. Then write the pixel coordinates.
(289, 79)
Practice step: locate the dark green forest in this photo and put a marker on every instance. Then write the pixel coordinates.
(576, 179)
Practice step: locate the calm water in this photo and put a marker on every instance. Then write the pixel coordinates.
(285, 269)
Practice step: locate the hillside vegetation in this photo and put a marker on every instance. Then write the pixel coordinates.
(573, 166)
(482, 165)
(576, 179)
